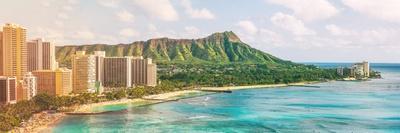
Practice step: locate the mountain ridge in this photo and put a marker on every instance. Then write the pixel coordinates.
(219, 47)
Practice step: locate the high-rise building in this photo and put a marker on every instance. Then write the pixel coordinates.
(29, 86)
(35, 55)
(49, 59)
(151, 74)
(1, 54)
(99, 57)
(8, 90)
(83, 73)
(41, 55)
(144, 72)
(361, 70)
(366, 68)
(14, 51)
(54, 82)
(117, 72)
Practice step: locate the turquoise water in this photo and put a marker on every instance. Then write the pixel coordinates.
(370, 106)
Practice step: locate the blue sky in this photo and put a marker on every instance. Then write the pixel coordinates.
(297, 30)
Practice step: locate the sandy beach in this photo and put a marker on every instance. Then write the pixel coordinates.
(42, 121)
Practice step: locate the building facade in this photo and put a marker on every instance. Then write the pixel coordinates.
(49, 59)
(54, 82)
(14, 51)
(8, 90)
(117, 72)
(35, 54)
(29, 86)
(41, 55)
(144, 72)
(360, 70)
(99, 57)
(83, 73)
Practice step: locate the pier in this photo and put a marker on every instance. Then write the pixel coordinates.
(218, 91)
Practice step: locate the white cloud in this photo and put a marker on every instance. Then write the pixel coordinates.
(59, 23)
(291, 24)
(73, 1)
(85, 34)
(152, 27)
(108, 3)
(49, 34)
(161, 9)
(202, 13)
(309, 10)
(125, 16)
(338, 31)
(270, 37)
(248, 26)
(45, 3)
(192, 30)
(388, 10)
(62, 15)
(128, 32)
(67, 8)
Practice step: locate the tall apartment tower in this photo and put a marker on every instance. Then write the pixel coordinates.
(144, 72)
(54, 82)
(99, 57)
(35, 55)
(117, 71)
(41, 55)
(366, 68)
(49, 59)
(29, 86)
(14, 51)
(8, 90)
(83, 73)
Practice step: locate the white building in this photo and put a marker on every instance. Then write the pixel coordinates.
(29, 85)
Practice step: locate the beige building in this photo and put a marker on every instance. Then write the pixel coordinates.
(144, 72)
(83, 73)
(117, 72)
(360, 70)
(8, 90)
(41, 55)
(13, 51)
(54, 82)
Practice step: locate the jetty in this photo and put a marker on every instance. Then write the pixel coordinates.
(218, 91)
(98, 113)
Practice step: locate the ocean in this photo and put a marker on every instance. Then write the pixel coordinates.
(337, 106)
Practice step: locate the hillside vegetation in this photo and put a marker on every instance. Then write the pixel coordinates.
(223, 47)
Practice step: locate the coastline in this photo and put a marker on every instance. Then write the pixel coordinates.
(44, 121)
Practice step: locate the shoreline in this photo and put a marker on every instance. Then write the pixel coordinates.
(46, 120)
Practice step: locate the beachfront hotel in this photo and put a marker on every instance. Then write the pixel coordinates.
(83, 73)
(144, 72)
(13, 55)
(8, 90)
(54, 82)
(360, 70)
(125, 71)
(41, 55)
(117, 72)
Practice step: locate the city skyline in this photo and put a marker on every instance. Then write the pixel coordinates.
(341, 31)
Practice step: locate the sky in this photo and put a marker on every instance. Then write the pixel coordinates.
(297, 30)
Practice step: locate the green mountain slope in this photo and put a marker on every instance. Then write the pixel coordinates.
(223, 47)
